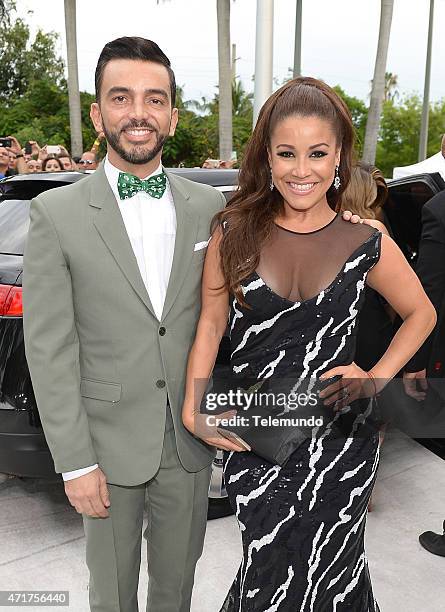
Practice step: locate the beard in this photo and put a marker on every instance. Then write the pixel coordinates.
(138, 154)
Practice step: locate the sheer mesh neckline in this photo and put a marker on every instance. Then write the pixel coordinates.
(299, 267)
(307, 233)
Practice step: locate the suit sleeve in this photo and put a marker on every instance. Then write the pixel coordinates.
(52, 344)
(430, 269)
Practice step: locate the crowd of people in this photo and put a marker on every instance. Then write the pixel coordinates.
(32, 158)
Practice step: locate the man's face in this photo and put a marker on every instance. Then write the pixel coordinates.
(4, 160)
(135, 111)
(12, 161)
(66, 163)
(34, 165)
(88, 161)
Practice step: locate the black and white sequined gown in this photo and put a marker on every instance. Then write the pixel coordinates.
(302, 525)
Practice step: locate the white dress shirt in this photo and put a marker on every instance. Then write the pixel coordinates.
(151, 228)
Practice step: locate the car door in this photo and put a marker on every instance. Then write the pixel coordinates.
(403, 209)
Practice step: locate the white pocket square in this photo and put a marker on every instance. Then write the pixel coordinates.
(201, 245)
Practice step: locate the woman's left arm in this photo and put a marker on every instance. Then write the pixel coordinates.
(395, 280)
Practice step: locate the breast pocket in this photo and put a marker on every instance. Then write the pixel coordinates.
(100, 390)
(199, 257)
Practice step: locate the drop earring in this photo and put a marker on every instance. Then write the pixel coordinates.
(271, 181)
(337, 181)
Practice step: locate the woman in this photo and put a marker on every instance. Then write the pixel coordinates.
(295, 273)
(52, 164)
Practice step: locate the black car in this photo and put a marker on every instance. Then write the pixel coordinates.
(23, 450)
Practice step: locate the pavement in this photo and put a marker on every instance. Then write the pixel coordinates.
(42, 543)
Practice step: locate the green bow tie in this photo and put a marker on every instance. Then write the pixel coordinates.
(128, 185)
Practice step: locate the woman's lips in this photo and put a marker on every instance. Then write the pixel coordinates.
(301, 189)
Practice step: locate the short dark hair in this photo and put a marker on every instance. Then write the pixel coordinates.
(134, 48)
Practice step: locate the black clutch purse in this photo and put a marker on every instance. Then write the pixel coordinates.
(275, 433)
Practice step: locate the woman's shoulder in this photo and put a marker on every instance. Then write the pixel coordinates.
(378, 225)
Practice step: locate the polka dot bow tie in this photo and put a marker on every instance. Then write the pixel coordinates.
(128, 185)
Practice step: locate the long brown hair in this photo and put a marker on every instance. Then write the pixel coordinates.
(249, 217)
(366, 192)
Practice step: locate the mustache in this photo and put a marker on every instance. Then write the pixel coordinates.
(139, 124)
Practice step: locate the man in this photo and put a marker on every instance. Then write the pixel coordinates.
(12, 160)
(13, 163)
(67, 162)
(34, 165)
(107, 353)
(431, 270)
(4, 162)
(87, 161)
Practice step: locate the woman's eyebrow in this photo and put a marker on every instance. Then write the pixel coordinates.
(289, 146)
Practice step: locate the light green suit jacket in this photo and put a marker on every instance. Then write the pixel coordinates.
(92, 340)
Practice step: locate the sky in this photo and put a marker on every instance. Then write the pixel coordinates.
(339, 39)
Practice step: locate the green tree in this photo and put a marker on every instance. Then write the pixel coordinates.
(398, 143)
(359, 113)
(23, 61)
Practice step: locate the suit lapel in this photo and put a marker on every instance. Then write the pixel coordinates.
(110, 225)
(186, 231)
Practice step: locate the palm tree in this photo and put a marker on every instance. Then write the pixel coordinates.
(225, 79)
(378, 83)
(73, 78)
(297, 44)
(391, 84)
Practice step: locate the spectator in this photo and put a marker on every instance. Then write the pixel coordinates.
(16, 162)
(52, 164)
(88, 161)
(4, 162)
(430, 268)
(67, 162)
(12, 163)
(34, 165)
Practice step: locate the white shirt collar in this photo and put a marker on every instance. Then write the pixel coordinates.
(112, 174)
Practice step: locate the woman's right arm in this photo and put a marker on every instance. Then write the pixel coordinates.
(210, 330)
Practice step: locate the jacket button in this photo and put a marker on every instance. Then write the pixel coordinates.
(160, 383)
(162, 331)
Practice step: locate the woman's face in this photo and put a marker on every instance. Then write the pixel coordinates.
(52, 165)
(303, 154)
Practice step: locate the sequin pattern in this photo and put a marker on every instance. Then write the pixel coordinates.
(302, 525)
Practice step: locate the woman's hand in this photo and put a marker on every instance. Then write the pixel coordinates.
(355, 383)
(198, 425)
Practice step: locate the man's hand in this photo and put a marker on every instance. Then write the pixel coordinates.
(88, 494)
(34, 147)
(348, 216)
(410, 380)
(15, 145)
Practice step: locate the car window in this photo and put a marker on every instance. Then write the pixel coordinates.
(228, 194)
(14, 224)
(403, 209)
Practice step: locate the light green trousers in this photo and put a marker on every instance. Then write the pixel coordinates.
(177, 515)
